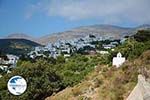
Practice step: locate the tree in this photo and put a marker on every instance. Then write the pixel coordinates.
(41, 78)
(142, 35)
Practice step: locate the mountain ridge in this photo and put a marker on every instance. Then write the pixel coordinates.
(99, 29)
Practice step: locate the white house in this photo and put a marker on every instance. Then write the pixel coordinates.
(119, 60)
(1, 76)
(12, 59)
(108, 46)
(66, 55)
(102, 52)
(4, 67)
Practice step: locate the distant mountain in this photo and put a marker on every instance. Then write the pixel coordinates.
(18, 35)
(16, 46)
(144, 26)
(21, 36)
(101, 30)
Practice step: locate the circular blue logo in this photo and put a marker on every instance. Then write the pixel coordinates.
(17, 85)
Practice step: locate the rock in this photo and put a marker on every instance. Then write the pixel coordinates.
(141, 90)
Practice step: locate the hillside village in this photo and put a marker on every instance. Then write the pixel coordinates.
(90, 44)
(87, 44)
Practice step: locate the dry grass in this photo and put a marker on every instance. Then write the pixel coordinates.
(108, 83)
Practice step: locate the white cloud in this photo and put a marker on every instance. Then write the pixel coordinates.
(32, 9)
(109, 11)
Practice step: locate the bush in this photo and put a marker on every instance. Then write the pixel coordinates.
(142, 35)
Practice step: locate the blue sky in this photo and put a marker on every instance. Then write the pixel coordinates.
(40, 17)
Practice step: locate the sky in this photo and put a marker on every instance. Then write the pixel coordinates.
(41, 17)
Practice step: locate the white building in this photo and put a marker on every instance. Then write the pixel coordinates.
(108, 46)
(12, 59)
(1, 76)
(9, 63)
(66, 55)
(119, 60)
(103, 52)
(4, 67)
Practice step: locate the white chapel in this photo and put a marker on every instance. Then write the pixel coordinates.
(119, 60)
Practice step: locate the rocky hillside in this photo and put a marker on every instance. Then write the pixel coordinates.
(108, 83)
(141, 90)
(101, 30)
